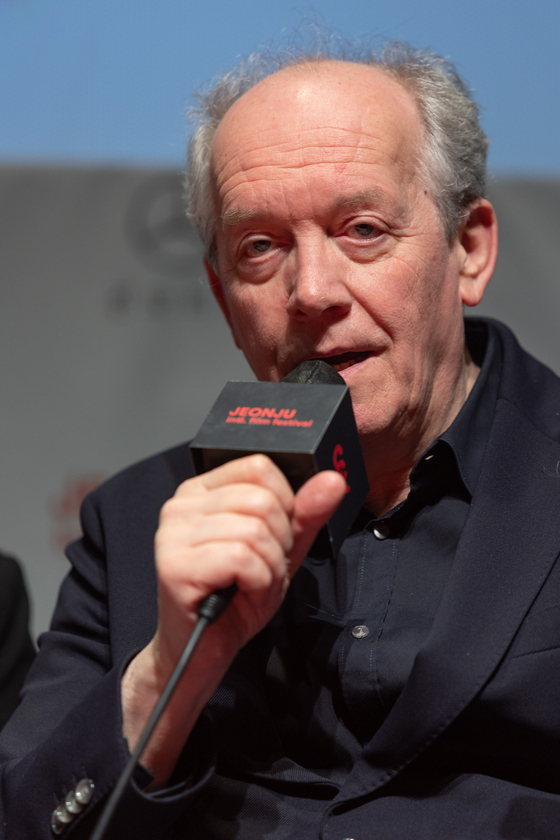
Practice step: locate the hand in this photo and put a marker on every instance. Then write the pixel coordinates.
(242, 524)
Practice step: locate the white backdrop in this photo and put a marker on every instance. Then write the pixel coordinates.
(112, 347)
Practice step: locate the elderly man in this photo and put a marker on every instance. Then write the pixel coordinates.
(409, 689)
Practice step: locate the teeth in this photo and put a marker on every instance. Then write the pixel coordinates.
(344, 365)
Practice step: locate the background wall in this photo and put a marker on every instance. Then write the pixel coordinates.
(111, 343)
(113, 347)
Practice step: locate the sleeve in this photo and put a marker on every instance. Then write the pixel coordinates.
(68, 728)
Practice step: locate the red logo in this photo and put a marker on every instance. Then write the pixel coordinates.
(340, 464)
(259, 416)
(244, 410)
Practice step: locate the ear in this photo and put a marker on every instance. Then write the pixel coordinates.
(219, 294)
(477, 249)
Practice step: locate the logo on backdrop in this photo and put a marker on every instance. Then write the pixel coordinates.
(158, 230)
(64, 509)
(166, 245)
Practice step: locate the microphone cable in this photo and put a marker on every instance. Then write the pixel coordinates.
(209, 610)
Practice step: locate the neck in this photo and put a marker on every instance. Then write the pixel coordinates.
(391, 456)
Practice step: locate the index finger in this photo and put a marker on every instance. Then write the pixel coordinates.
(250, 469)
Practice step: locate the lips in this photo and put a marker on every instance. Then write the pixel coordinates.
(345, 360)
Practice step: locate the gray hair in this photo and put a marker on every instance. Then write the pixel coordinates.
(453, 154)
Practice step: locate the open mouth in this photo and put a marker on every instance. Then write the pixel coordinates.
(345, 360)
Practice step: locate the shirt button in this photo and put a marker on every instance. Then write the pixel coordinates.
(360, 631)
(381, 530)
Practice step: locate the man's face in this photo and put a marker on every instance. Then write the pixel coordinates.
(329, 245)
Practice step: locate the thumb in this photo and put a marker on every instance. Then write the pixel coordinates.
(314, 503)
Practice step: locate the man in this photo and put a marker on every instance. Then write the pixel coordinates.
(409, 689)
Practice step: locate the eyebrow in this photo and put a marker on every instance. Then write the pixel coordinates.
(237, 217)
(361, 199)
(352, 203)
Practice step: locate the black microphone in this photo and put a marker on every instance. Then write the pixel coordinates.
(302, 429)
(304, 424)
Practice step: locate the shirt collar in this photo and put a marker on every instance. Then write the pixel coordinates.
(468, 434)
(456, 455)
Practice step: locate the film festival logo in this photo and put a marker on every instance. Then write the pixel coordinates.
(161, 238)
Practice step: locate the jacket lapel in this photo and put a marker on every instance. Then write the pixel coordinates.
(506, 550)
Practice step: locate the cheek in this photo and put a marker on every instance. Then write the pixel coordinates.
(409, 292)
(389, 296)
(259, 326)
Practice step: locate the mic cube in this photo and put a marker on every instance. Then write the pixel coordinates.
(302, 428)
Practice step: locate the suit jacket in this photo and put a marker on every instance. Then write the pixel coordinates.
(470, 749)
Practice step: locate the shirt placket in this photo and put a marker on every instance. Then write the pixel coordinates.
(359, 676)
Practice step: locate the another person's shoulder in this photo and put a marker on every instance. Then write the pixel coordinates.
(11, 578)
(17, 649)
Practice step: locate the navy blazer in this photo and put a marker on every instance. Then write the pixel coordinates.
(470, 749)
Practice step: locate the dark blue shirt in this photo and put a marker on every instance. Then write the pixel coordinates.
(358, 623)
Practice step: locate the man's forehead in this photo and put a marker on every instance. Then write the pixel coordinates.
(352, 118)
(323, 97)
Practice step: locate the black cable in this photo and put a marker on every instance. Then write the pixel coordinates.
(208, 611)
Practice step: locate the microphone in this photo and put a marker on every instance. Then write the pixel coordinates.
(303, 430)
(304, 423)
(314, 372)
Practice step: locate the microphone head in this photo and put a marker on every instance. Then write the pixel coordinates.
(302, 430)
(314, 372)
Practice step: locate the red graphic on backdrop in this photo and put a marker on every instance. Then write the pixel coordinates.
(340, 464)
(65, 509)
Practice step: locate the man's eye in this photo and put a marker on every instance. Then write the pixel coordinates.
(261, 245)
(364, 230)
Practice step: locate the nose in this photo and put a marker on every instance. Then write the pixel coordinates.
(317, 284)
